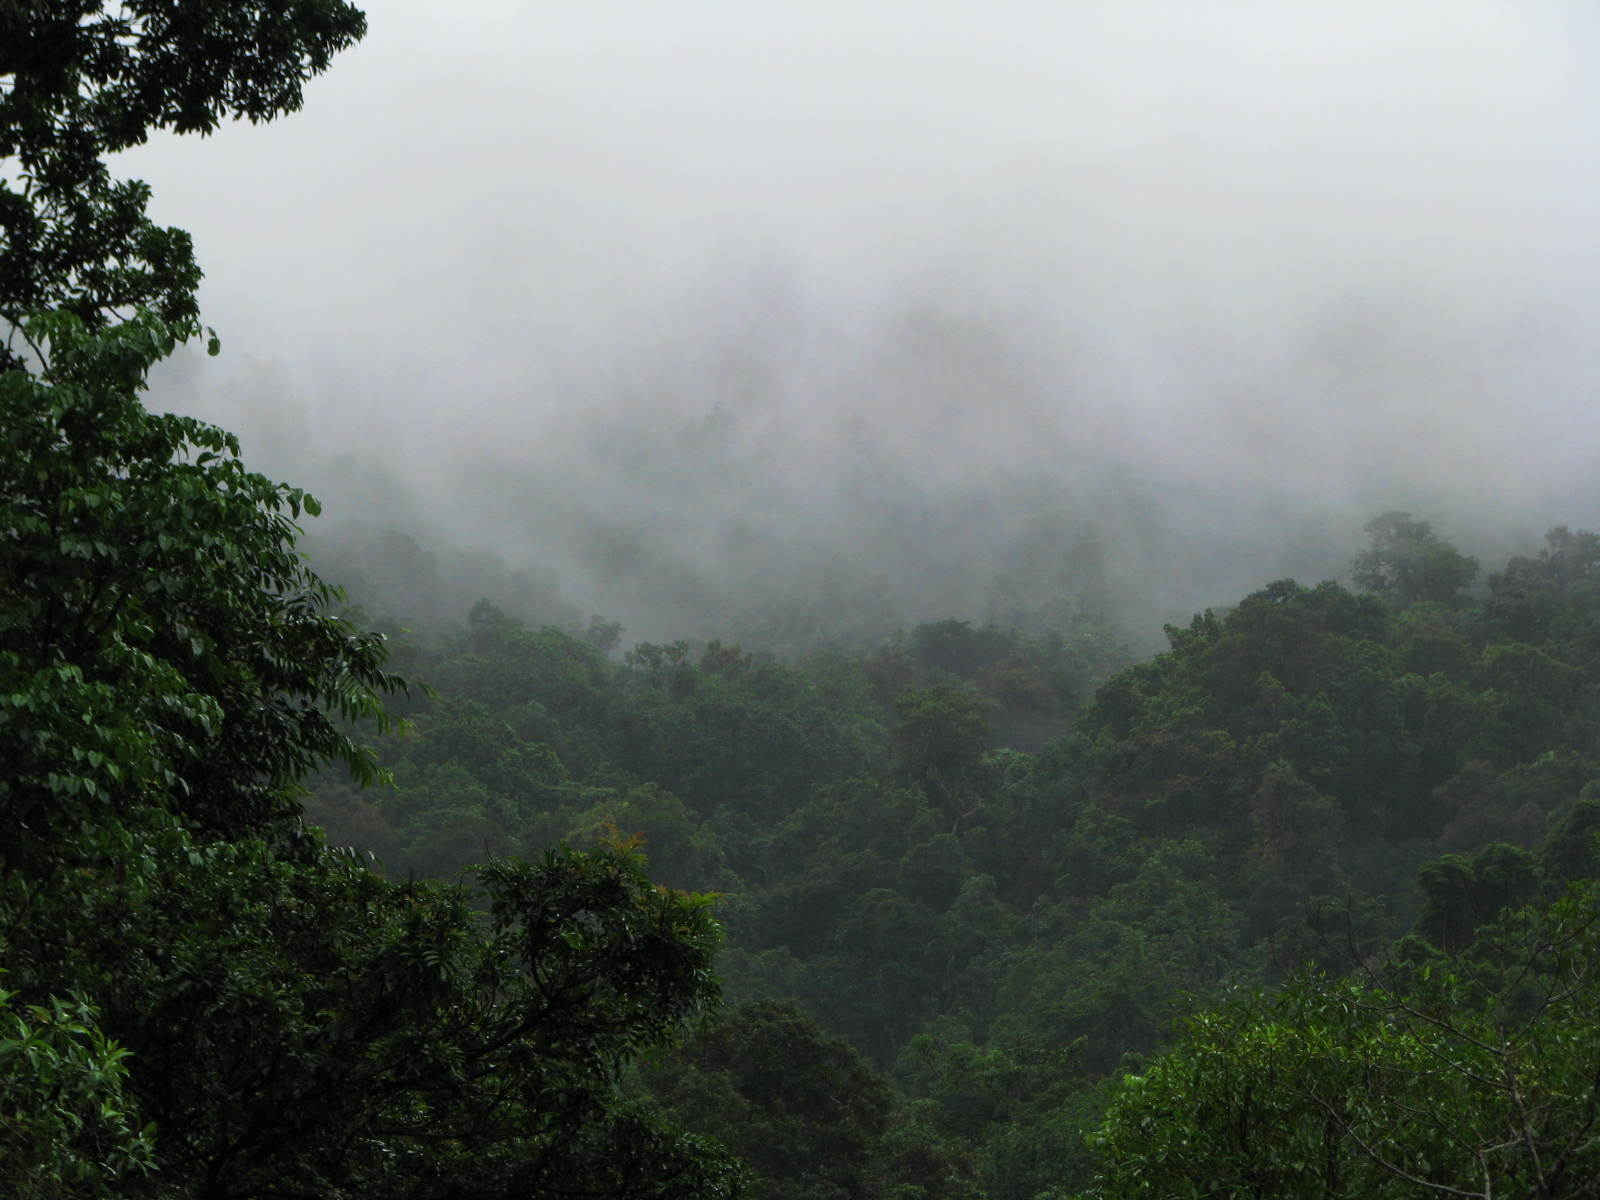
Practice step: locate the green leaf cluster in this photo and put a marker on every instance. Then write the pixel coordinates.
(79, 81)
(67, 1125)
(1467, 1074)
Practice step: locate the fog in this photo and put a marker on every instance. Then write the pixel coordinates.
(809, 317)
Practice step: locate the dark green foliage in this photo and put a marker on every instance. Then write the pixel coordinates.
(308, 1028)
(1298, 732)
(1464, 895)
(939, 740)
(1474, 1075)
(803, 1110)
(1034, 682)
(1572, 850)
(209, 1002)
(955, 648)
(1409, 564)
(538, 737)
(67, 1126)
(293, 1023)
(83, 80)
(1013, 1114)
(897, 862)
(160, 642)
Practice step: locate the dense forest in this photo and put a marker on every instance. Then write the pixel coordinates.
(969, 878)
(297, 904)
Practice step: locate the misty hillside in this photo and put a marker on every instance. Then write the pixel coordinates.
(719, 308)
(999, 862)
(889, 600)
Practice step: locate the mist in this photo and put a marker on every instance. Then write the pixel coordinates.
(795, 319)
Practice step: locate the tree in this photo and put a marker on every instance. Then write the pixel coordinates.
(1462, 896)
(168, 670)
(1468, 1074)
(1409, 564)
(955, 647)
(165, 649)
(1019, 1106)
(939, 742)
(83, 79)
(67, 1125)
(295, 1023)
(801, 1108)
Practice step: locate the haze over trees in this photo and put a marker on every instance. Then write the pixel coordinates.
(1010, 869)
(722, 308)
(1304, 905)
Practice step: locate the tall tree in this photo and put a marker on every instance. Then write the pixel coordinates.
(296, 1025)
(1473, 1072)
(801, 1108)
(202, 998)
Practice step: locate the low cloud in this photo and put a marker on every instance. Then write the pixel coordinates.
(732, 314)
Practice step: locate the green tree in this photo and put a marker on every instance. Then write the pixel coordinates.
(67, 1126)
(1462, 895)
(1467, 1074)
(939, 740)
(81, 79)
(165, 650)
(802, 1109)
(1016, 1108)
(1572, 851)
(1409, 564)
(293, 1021)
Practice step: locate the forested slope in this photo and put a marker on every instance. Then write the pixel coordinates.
(994, 863)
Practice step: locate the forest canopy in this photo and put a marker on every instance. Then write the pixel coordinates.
(1011, 869)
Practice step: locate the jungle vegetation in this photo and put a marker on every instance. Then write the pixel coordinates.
(295, 907)
(1008, 872)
